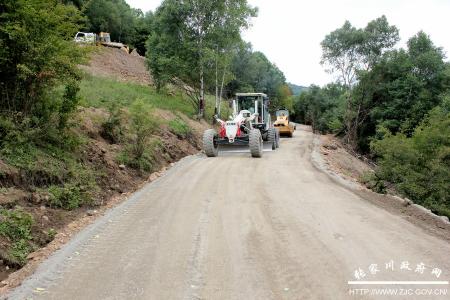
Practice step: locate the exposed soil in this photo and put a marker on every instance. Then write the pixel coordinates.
(116, 63)
(341, 161)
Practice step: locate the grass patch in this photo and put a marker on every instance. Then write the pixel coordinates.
(69, 196)
(180, 128)
(51, 166)
(146, 161)
(101, 92)
(15, 226)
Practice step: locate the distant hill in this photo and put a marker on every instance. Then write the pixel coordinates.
(297, 89)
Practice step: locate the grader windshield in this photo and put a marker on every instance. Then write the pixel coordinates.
(247, 103)
(254, 103)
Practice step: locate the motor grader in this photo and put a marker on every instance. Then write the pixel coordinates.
(249, 126)
(282, 123)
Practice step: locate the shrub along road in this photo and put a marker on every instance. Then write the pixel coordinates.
(234, 227)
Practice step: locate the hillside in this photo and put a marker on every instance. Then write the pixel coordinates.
(111, 62)
(45, 187)
(297, 89)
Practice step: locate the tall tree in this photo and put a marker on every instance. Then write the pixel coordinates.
(185, 37)
(350, 51)
(36, 55)
(113, 16)
(403, 87)
(253, 72)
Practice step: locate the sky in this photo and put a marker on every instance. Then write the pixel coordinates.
(289, 32)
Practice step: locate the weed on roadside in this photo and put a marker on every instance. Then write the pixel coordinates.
(180, 128)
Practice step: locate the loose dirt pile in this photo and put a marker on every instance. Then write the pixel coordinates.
(116, 63)
(341, 161)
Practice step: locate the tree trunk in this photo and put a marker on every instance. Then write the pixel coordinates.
(221, 90)
(201, 108)
(352, 123)
(216, 109)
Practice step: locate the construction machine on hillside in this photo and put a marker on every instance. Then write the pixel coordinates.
(103, 39)
(249, 126)
(282, 123)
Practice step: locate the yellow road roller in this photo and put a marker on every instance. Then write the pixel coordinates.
(282, 123)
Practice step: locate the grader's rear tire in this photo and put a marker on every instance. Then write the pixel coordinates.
(211, 149)
(256, 143)
(272, 137)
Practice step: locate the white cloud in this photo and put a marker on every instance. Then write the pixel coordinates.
(289, 32)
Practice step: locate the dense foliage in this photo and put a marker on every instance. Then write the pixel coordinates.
(36, 55)
(189, 37)
(322, 108)
(389, 103)
(419, 165)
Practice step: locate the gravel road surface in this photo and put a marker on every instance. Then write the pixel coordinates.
(236, 227)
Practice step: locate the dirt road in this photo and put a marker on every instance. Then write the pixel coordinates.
(234, 227)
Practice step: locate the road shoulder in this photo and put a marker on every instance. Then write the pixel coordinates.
(342, 167)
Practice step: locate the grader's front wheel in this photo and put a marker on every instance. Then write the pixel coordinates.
(210, 147)
(256, 143)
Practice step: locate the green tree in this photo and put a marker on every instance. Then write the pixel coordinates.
(113, 16)
(322, 108)
(401, 88)
(142, 30)
(350, 51)
(253, 72)
(419, 166)
(143, 126)
(36, 55)
(185, 38)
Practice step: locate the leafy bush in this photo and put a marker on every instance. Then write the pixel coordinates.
(180, 128)
(144, 163)
(143, 125)
(78, 190)
(138, 154)
(19, 251)
(373, 182)
(37, 55)
(419, 166)
(113, 128)
(16, 226)
(68, 196)
(51, 233)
